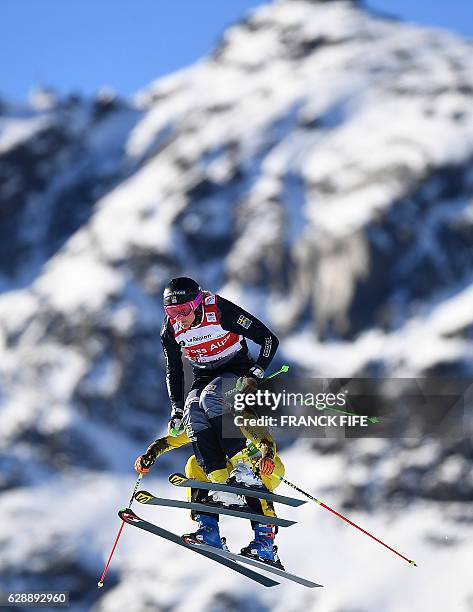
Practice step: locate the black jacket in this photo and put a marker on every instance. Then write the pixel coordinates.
(240, 363)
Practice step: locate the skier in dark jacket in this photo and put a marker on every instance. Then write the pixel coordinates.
(212, 333)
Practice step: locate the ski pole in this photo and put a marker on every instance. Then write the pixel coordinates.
(281, 370)
(373, 419)
(317, 501)
(100, 582)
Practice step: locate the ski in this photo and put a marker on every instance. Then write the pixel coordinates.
(145, 497)
(179, 480)
(260, 564)
(128, 516)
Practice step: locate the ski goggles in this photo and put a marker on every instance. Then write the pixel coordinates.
(185, 309)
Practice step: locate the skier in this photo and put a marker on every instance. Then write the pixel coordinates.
(260, 451)
(212, 332)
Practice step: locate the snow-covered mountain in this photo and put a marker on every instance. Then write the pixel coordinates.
(318, 169)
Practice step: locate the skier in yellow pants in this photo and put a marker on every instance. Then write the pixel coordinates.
(260, 453)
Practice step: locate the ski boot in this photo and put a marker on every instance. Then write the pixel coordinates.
(208, 532)
(262, 548)
(243, 475)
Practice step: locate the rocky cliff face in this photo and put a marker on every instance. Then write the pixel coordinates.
(317, 167)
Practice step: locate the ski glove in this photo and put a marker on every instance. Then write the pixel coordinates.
(143, 464)
(266, 463)
(266, 466)
(176, 425)
(249, 382)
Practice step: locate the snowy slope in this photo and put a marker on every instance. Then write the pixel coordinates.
(317, 168)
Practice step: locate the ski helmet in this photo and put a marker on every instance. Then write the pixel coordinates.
(181, 296)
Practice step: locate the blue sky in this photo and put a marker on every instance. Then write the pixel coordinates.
(82, 45)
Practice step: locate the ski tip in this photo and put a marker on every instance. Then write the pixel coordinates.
(100, 584)
(284, 368)
(128, 516)
(413, 563)
(124, 511)
(177, 479)
(143, 496)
